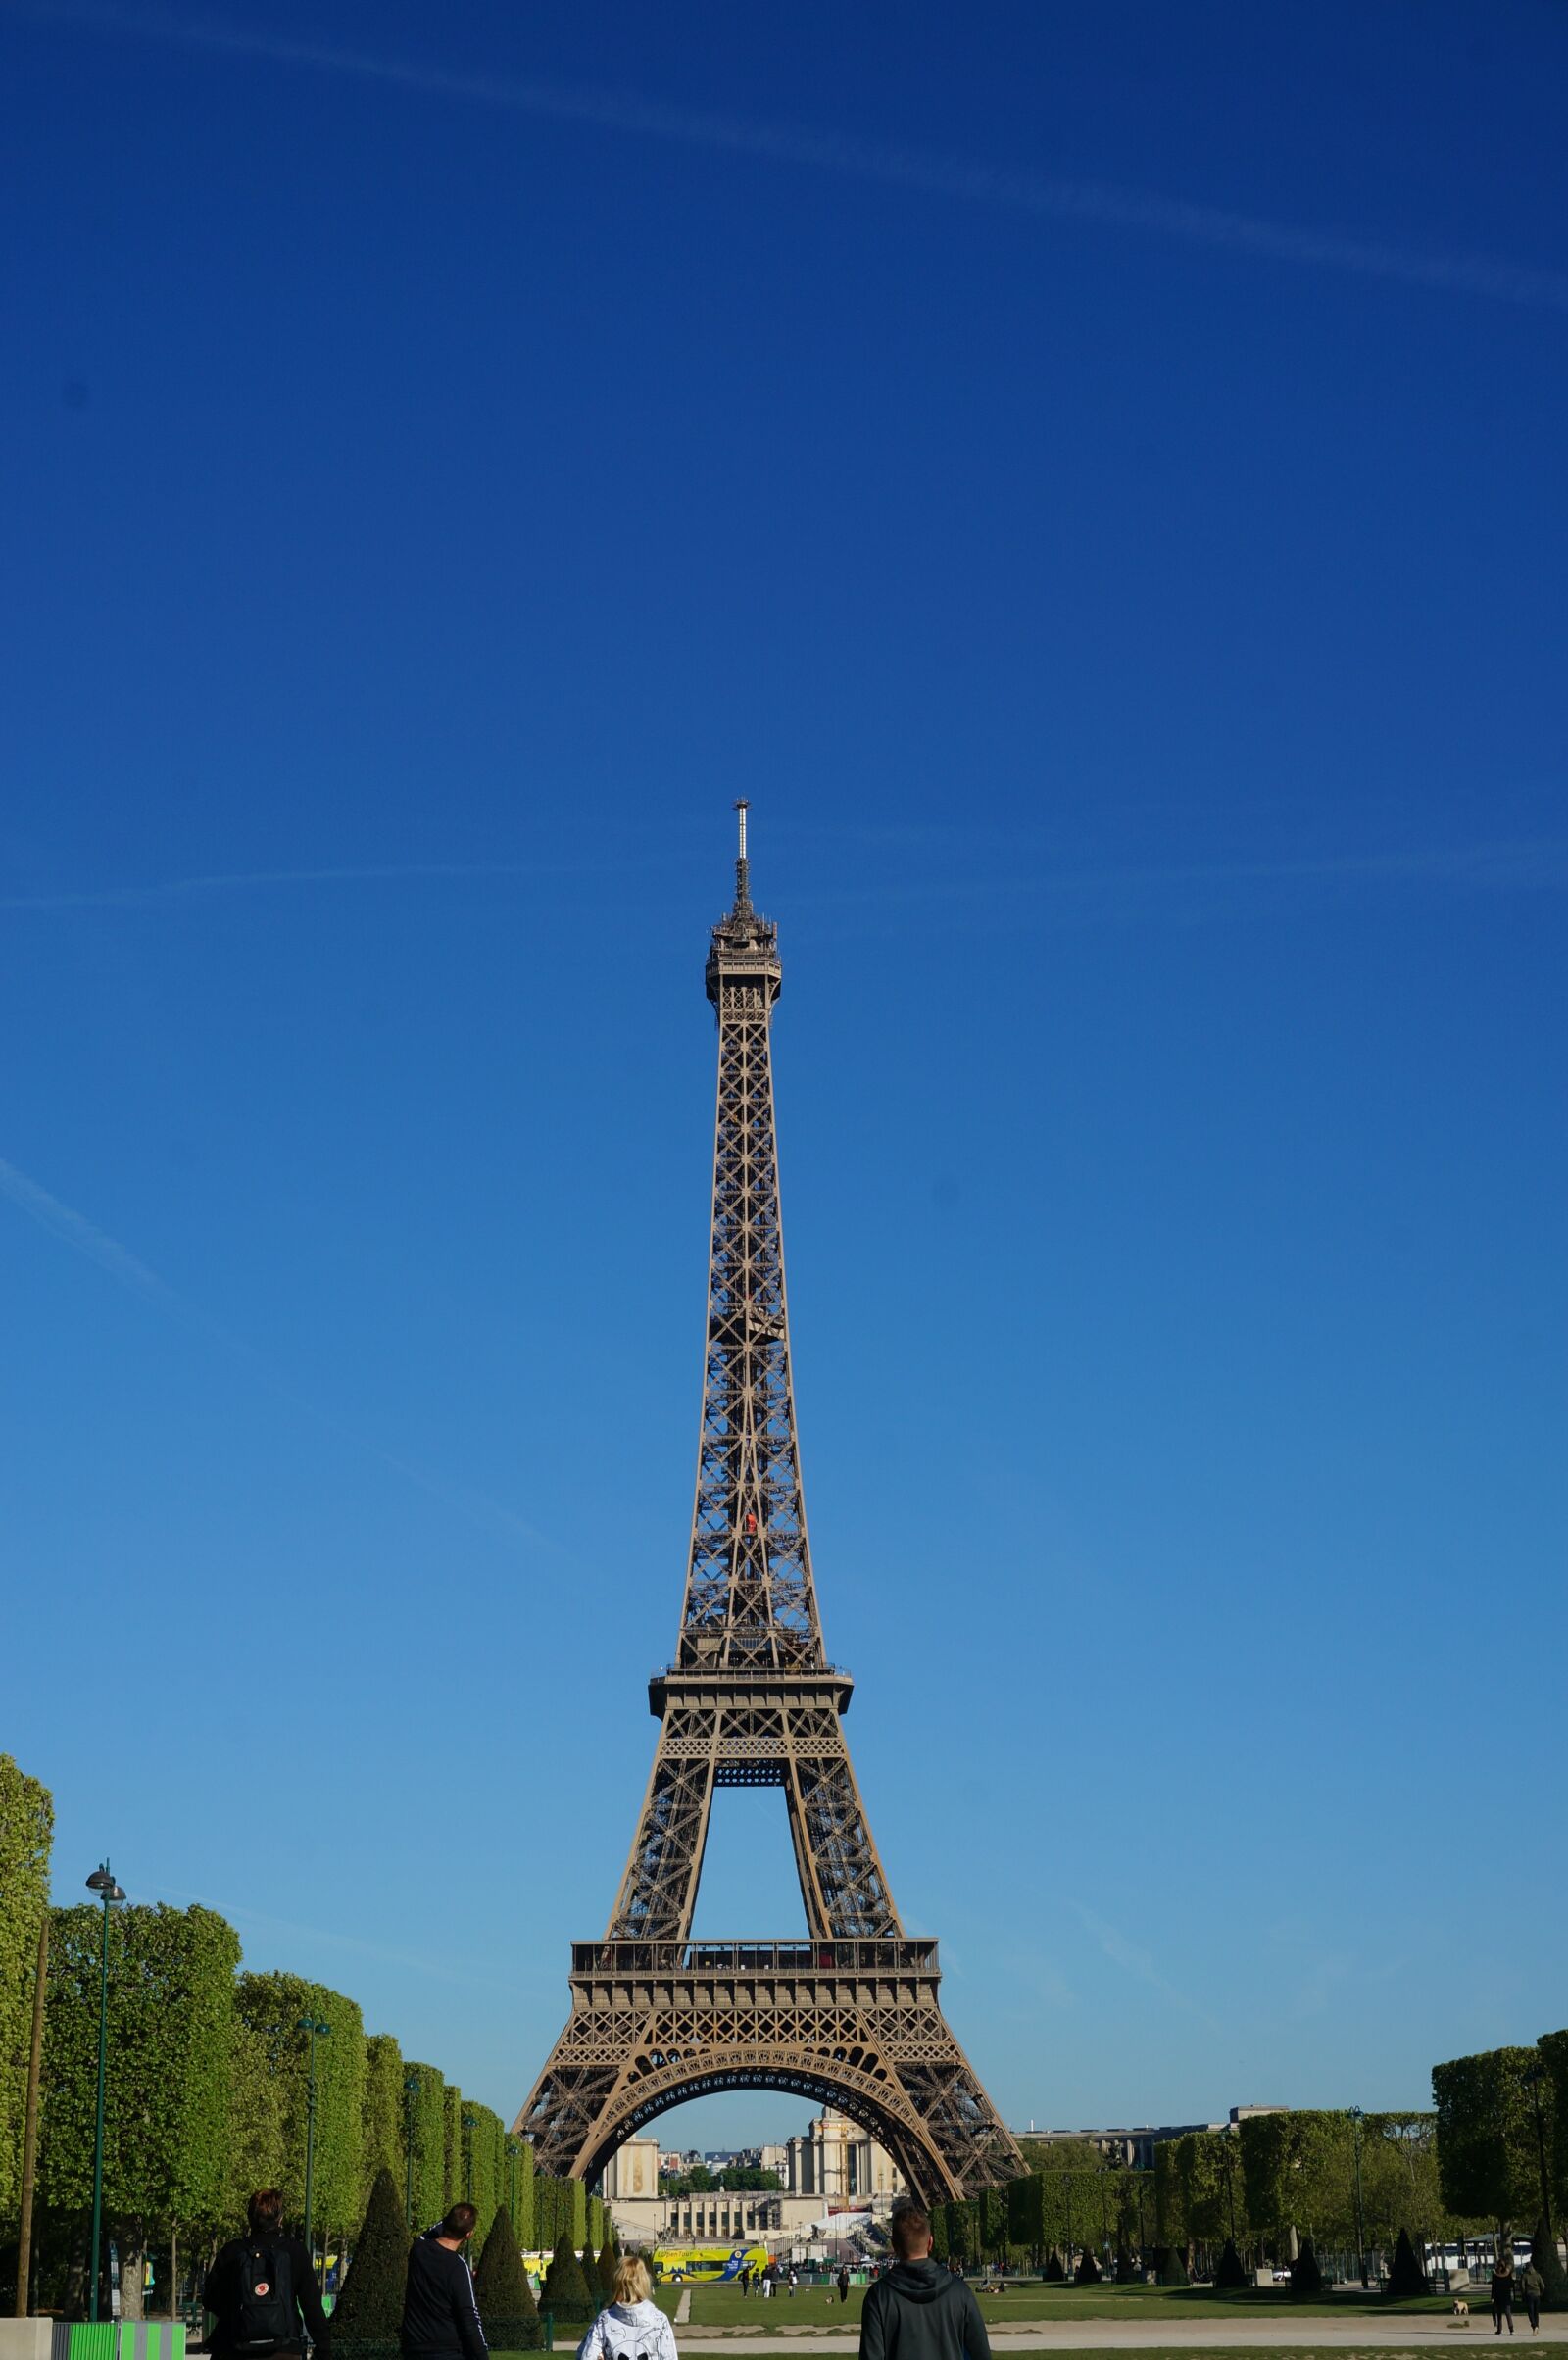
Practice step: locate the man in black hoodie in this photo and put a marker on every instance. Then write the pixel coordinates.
(440, 2317)
(916, 2311)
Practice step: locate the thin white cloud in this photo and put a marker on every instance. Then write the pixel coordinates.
(75, 1230)
(1099, 204)
(1134, 1960)
(179, 889)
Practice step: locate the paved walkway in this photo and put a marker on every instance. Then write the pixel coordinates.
(1157, 2336)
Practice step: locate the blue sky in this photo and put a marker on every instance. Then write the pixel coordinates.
(1094, 478)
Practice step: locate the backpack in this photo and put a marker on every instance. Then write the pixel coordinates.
(265, 2317)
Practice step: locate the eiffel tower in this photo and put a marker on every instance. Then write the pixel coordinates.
(849, 2015)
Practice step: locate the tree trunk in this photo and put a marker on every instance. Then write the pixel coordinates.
(131, 2241)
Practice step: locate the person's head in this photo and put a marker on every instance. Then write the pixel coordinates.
(459, 2224)
(632, 2281)
(266, 2210)
(911, 2232)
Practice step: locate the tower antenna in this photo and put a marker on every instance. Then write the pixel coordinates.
(743, 867)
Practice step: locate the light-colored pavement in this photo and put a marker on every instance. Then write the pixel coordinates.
(1318, 2334)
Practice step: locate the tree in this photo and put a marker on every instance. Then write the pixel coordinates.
(429, 2118)
(506, 2307)
(1088, 2271)
(1172, 2270)
(26, 1827)
(385, 2113)
(166, 2094)
(271, 2008)
(609, 2258)
(1307, 2279)
(1406, 2278)
(597, 2291)
(565, 2294)
(1054, 2270)
(369, 2307)
(1488, 2158)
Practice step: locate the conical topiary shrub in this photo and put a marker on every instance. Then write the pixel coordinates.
(1307, 2279)
(1088, 2271)
(565, 2294)
(597, 2291)
(508, 2311)
(608, 2261)
(369, 2309)
(1406, 2278)
(1228, 2271)
(1173, 2269)
(1054, 2270)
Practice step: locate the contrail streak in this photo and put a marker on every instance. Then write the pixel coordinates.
(1100, 203)
(73, 1229)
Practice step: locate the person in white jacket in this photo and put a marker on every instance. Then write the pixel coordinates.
(632, 2327)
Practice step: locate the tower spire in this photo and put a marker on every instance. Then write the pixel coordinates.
(743, 867)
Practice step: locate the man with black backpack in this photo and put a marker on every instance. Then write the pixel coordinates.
(262, 2290)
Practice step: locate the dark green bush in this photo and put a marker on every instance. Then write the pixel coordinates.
(1228, 2269)
(1307, 2279)
(1172, 2270)
(566, 2292)
(1406, 2278)
(501, 2285)
(1087, 2273)
(371, 2305)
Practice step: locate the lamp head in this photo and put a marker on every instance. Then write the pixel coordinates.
(102, 1881)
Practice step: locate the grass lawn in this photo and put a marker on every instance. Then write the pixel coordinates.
(715, 2306)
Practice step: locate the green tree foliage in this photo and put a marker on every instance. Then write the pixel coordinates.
(1399, 2181)
(451, 2174)
(484, 2141)
(270, 2150)
(596, 2222)
(1228, 2269)
(429, 2119)
(371, 2304)
(381, 2147)
(27, 1828)
(597, 2291)
(1544, 2253)
(170, 2054)
(1087, 2273)
(1488, 2158)
(565, 2294)
(1298, 2171)
(522, 2173)
(1552, 2051)
(1055, 2270)
(1171, 2212)
(1172, 2270)
(1406, 2278)
(608, 2259)
(506, 2307)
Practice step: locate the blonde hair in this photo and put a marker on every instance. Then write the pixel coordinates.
(632, 2281)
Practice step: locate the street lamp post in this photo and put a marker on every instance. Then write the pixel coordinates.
(102, 1882)
(1532, 2077)
(314, 2030)
(1361, 2225)
(411, 2085)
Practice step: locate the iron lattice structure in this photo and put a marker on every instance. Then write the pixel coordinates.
(850, 2015)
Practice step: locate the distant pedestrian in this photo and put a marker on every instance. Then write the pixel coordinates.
(1532, 2285)
(631, 2326)
(440, 2316)
(261, 2289)
(795, 2279)
(918, 2311)
(842, 2282)
(745, 2279)
(1502, 2293)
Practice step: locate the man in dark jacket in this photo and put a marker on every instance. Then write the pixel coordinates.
(262, 2289)
(440, 2316)
(916, 2311)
